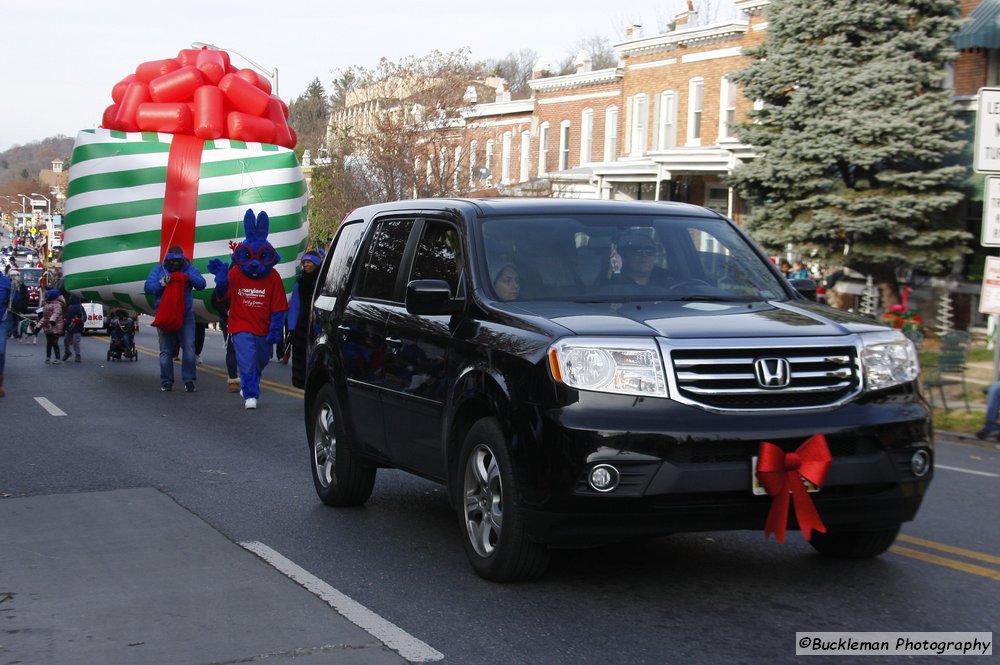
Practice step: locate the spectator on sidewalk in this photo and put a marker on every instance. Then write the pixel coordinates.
(990, 430)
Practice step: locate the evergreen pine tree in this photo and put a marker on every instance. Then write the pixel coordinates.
(857, 139)
(308, 115)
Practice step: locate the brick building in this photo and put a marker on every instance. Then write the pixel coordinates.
(656, 126)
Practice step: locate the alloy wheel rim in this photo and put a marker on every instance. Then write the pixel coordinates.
(483, 501)
(324, 446)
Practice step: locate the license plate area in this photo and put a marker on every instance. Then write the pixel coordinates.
(759, 490)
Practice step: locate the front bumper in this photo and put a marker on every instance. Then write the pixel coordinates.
(684, 469)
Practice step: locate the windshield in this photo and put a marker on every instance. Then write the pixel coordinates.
(31, 276)
(608, 258)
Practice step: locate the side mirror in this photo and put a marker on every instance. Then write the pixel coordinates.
(806, 287)
(430, 296)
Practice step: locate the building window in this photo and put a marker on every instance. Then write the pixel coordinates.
(696, 95)
(611, 134)
(525, 155)
(473, 176)
(667, 121)
(543, 148)
(505, 157)
(727, 108)
(992, 67)
(430, 169)
(586, 136)
(564, 145)
(640, 121)
(457, 170)
(488, 162)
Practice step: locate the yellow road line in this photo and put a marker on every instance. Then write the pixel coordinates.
(947, 563)
(950, 549)
(274, 386)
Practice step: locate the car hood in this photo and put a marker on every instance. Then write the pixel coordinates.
(692, 320)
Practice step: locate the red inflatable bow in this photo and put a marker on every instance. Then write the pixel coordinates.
(781, 475)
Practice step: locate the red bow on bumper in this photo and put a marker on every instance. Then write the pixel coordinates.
(781, 475)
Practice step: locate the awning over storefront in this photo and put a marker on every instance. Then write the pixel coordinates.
(982, 29)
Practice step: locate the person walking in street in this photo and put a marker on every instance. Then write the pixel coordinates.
(232, 369)
(75, 316)
(257, 302)
(7, 319)
(298, 313)
(172, 284)
(53, 318)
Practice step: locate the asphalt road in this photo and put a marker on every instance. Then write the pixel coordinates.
(692, 598)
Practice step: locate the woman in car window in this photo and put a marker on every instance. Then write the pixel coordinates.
(506, 282)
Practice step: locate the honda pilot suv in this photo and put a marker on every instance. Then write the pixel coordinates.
(580, 372)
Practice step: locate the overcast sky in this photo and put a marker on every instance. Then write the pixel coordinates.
(62, 57)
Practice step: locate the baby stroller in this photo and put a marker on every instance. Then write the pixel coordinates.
(122, 331)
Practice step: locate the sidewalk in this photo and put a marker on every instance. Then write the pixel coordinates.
(130, 577)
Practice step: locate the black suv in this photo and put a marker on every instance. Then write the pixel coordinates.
(578, 372)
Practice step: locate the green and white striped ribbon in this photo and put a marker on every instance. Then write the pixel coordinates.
(114, 211)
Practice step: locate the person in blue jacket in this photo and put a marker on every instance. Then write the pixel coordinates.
(298, 313)
(175, 263)
(5, 300)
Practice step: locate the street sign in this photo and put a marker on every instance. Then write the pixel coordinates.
(987, 155)
(989, 298)
(990, 235)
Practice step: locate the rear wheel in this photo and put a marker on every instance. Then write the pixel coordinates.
(491, 516)
(340, 478)
(854, 544)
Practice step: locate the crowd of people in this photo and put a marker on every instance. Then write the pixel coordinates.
(60, 316)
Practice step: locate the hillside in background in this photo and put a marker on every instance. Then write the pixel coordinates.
(23, 162)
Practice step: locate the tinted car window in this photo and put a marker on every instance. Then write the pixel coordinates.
(437, 254)
(31, 276)
(342, 260)
(383, 259)
(589, 257)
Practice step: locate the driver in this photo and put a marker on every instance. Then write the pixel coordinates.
(638, 259)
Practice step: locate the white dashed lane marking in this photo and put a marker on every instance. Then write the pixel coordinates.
(387, 632)
(50, 407)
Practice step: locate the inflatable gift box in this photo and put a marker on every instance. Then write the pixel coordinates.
(133, 194)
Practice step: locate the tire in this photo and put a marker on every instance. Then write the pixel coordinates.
(491, 516)
(854, 544)
(340, 478)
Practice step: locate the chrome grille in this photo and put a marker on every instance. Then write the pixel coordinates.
(730, 379)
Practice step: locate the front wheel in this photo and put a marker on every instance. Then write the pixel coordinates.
(854, 544)
(340, 478)
(492, 521)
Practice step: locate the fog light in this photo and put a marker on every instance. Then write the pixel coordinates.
(603, 478)
(920, 463)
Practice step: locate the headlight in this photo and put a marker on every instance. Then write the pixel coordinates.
(621, 366)
(888, 359)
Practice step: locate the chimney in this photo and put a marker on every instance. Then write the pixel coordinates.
(503, 91)
(541, 69)
(583, 62)
(633, 31)
(688, 17)
(470, 96)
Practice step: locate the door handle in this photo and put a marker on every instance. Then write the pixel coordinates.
(344, 331)
(393, 344)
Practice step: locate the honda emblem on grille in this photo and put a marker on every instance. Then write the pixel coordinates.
(772, 372)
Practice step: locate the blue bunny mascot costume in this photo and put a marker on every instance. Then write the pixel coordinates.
(257, 302)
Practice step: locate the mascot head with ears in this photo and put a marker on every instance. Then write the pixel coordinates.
(255, 256)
